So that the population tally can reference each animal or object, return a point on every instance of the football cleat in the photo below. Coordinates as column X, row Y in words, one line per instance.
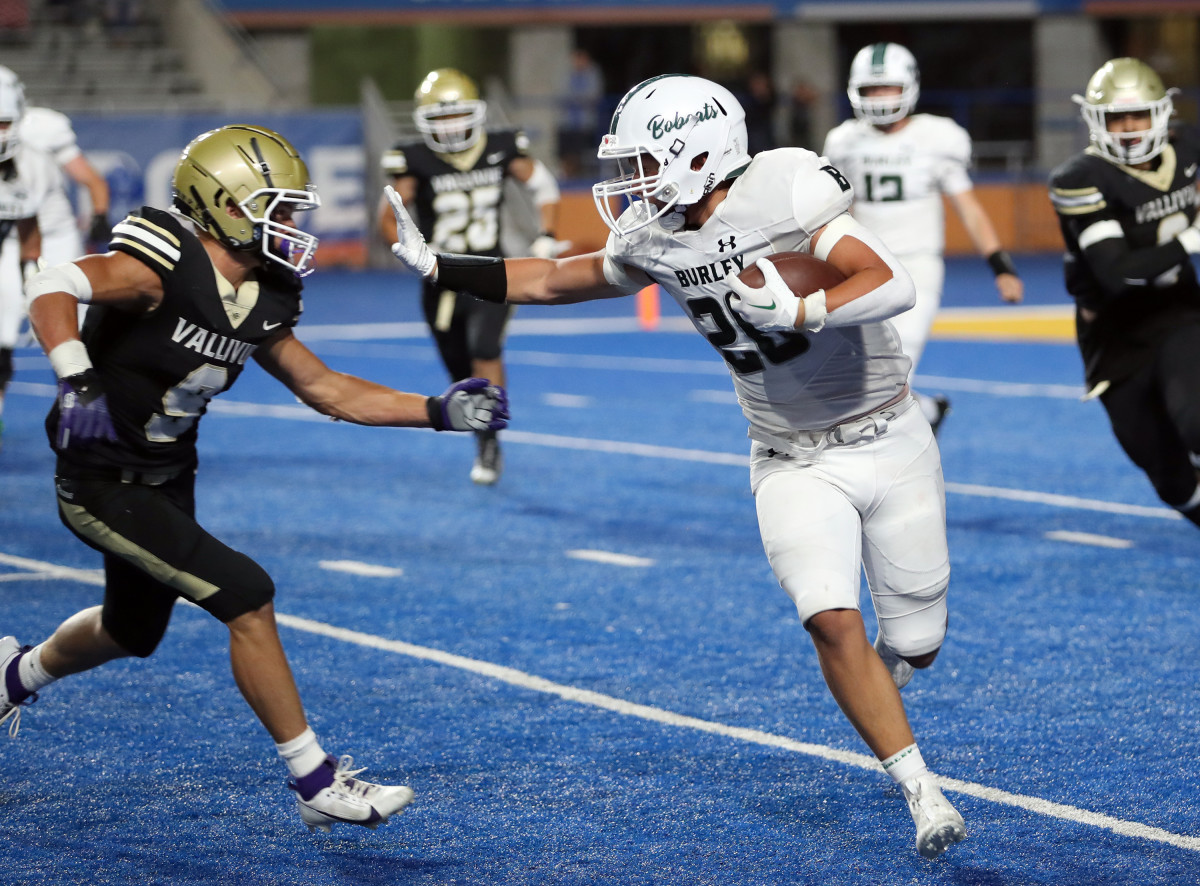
column 349, row 800
column 489, row 462
column 10, row 686
column 900, row 670
column 939, row 826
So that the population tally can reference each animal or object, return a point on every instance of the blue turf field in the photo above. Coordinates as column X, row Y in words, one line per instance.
column 587, row 673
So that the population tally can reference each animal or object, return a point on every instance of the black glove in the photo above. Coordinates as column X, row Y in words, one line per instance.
column 101, row 230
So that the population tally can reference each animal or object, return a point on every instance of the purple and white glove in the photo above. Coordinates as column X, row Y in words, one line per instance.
column 473, row 404
column 83, row 411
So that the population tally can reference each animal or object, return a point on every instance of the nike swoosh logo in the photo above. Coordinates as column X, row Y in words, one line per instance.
column 496, row 157
column 769, row 307
column 267, row 327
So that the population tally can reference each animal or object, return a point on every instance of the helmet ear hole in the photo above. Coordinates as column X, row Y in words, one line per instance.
column 698, row 161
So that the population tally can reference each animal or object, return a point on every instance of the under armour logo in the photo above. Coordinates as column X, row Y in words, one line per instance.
column 727, row 243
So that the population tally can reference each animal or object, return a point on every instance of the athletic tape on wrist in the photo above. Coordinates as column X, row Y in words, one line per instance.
column 814, row 311
column 69, row 358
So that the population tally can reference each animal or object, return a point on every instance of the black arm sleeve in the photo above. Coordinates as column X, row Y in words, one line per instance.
column 481, row 276
column 1119, row 269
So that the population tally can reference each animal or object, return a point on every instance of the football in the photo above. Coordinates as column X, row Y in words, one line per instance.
column 803, row 273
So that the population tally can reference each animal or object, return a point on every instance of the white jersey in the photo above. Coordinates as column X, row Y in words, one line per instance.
column 784, row 381
column 899, row 177
column 51, row 133
column 22, row 195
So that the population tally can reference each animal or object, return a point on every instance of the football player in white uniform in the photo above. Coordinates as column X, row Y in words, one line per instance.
column 901, row 164
column 27, row 179
column 51, row 132
column 844, row 468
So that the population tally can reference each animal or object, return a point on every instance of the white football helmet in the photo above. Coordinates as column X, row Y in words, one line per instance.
column 696, row 131
column 12, row 109
column 884, row 64
column 449, row 112
column 1120, row 86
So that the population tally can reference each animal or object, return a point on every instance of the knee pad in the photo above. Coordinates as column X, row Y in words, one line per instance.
column 254, row 590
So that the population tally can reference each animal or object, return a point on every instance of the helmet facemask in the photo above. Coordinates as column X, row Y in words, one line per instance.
column 693, row 131
column 241, row 184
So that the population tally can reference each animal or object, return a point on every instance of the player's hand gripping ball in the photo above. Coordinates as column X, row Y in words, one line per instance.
column 767, row 294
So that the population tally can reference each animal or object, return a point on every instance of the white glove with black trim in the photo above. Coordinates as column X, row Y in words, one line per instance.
column 545, row 246
column 771, row 307
column 410, row 246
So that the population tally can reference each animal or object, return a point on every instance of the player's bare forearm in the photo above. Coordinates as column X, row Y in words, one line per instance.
column 361, row 402
column 336, row 394
column 54, row 319
column 865, row 272
column 561, row 281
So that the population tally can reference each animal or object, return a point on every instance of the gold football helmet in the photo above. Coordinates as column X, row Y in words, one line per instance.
column 1121, row 86
column 257, row 171
column 449, row 113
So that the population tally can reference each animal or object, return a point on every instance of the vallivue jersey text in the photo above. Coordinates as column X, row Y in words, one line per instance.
column 160, row 369
column 459, row 210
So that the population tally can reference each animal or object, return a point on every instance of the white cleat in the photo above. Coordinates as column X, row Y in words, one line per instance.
column 939, row 826
column 900, row 670
column 489, row 462
column 10, row 713
column 352, row 801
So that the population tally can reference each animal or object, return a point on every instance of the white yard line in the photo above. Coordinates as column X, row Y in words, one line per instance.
column 599, row 700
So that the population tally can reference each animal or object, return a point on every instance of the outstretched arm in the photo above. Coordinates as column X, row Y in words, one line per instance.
column 515, row 280
column 987, row 243
column 471, row 404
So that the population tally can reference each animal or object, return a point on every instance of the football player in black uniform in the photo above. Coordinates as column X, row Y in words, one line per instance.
column 178, row 305
column 1127, row 208
column 454, row 178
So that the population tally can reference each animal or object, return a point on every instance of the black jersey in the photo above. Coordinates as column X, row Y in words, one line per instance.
column 160, row 369
column 458, row 210
column 1121, row 321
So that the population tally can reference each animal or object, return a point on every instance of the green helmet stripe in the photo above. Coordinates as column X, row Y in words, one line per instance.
column 612, row 129
column 878, row 52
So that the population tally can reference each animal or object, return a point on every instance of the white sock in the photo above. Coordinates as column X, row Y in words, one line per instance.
column 30, row 671
column 905, row 765
column 302, row 754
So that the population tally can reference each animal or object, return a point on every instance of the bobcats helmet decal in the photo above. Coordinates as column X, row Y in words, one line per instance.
column 884, row 64
column 258, row 172
column 1121, row 86
column 12, row 109
column 449, row 113
column 675, row 138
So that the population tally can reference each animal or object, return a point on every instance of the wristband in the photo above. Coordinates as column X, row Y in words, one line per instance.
column 433, row 409
column 484, row 277
column 1001, row 263
column 814, row 311
column 69, row 358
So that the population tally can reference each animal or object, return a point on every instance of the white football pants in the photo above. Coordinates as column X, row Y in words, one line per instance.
column 879, row 504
